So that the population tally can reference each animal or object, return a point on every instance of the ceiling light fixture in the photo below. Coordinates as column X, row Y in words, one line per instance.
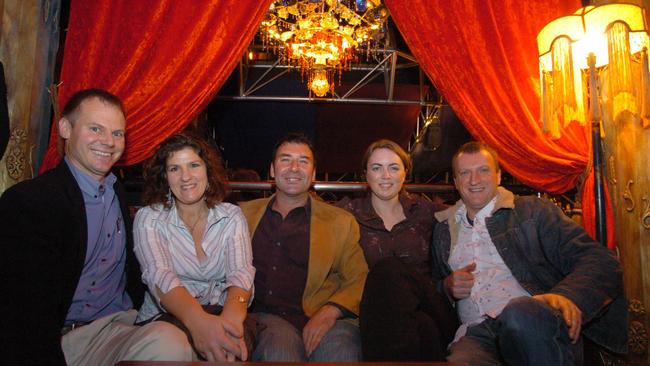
column 322, row 37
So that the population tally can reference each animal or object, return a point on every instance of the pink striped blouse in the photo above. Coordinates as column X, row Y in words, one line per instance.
column 165, row 249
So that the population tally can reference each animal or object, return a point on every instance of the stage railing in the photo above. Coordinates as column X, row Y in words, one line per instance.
column 323, row 186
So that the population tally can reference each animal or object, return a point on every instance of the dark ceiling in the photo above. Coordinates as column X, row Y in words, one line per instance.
column 246, row 130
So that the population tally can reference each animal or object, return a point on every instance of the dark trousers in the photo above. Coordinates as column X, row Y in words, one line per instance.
column 403, row 317
column 527, row 332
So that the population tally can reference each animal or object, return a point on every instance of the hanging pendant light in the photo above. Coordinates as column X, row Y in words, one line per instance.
column 322, row 37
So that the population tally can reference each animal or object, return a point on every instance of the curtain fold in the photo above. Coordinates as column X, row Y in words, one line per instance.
column 165, row 59
column 482, row 57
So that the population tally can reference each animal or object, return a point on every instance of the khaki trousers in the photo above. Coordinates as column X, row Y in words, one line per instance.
column 114, row 338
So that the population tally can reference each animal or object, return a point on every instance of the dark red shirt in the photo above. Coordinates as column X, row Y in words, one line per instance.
column 409, row 240
column 281, row 258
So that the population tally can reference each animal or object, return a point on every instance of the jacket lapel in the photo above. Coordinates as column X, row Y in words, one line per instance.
column 448, row 215
column 321, row 255
column 78, row 220
column 254, row 213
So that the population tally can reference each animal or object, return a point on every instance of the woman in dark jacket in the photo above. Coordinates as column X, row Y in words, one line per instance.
column 403, row 317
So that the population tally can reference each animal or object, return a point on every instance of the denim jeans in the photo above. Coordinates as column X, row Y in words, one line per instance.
column 527, row 332
column 282, row 342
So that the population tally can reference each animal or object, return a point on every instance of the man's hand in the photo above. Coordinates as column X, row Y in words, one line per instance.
column 216, row 339
column 570, row 312
column 318, row 325
column 459, row 283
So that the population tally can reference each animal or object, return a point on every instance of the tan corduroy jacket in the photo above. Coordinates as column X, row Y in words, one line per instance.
column 337, row 268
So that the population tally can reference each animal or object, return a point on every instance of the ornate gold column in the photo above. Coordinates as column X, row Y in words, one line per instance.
column 616, row 91
column 28, row 43
column 627, row 147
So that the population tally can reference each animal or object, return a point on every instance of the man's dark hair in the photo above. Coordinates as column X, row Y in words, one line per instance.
column 474, row 147
column 294, row 138
column 72, row 106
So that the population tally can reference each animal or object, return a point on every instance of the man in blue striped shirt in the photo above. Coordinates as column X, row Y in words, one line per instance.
column 69, row 275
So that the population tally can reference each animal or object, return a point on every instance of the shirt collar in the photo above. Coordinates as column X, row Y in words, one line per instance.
column 504, row 200
column 88, row 184
column 306, row 207
column 367, row 214
column 486, row 211
column 172, row 217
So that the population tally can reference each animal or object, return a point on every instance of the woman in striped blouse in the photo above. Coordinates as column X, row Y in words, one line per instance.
column 194, row 249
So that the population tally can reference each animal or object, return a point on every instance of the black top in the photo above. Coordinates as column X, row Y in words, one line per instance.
column 408, row 240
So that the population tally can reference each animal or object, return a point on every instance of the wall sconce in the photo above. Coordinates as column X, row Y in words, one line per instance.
column 573, row 51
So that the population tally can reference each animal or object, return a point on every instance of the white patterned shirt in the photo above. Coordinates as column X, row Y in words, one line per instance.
column 494, row 284
column 167, row 255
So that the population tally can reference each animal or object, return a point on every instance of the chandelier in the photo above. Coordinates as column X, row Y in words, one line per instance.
column 322, row 37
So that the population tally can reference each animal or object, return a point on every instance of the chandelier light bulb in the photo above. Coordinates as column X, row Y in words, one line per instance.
column 321, row 36
column 319, row 84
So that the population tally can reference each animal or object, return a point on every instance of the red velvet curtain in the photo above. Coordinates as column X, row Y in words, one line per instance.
column 482, row 57
column 166, row 59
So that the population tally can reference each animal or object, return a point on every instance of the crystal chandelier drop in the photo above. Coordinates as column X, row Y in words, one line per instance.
column 322, row 37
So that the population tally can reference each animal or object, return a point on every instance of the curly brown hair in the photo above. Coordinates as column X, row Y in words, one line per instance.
column 156, row 187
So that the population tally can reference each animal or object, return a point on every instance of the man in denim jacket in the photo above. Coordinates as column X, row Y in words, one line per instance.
column 527, row 281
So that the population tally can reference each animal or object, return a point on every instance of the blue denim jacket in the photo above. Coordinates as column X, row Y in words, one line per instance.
column 548, row 252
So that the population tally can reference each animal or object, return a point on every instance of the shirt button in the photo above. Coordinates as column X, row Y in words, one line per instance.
column 274, row 268
column 270, row 292
column 278, row 244
column 109, row 235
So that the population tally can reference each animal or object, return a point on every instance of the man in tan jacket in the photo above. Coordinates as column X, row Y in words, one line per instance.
column 310, row 267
